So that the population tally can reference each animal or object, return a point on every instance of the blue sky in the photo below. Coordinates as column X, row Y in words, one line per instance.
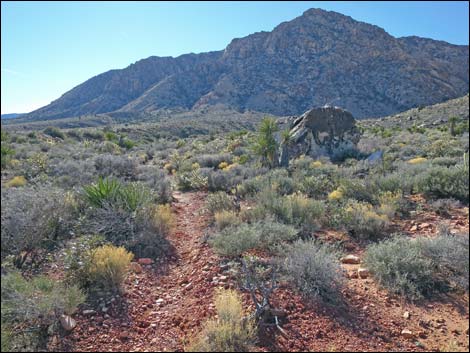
column 47, row 48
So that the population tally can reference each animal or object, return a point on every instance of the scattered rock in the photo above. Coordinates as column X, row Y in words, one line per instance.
column 135, row 267
column 145, row 261
column 407, row 334
column 67, row 322
column 89, row 312
column 363, row 273
column 353, row 275
column 406, row 315
column 123, row 335
column 351, row 259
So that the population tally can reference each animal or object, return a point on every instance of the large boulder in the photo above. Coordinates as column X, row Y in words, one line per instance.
column 325, row 131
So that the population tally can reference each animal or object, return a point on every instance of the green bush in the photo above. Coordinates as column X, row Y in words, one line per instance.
column 399, row 265
column 296, row 209
column 219, row 201
column 77, row 259
column 54, row 132
column 362, row 220
column 267, row 234
column 441, row 182
column 35, row 305
column 450, row 256
column 108, row 266
column 315, row 270
column 230, row 332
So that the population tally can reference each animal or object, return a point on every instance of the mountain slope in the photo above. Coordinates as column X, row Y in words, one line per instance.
column 317, row 58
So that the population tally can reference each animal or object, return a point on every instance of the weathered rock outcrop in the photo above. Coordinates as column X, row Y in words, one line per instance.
column 325, row 131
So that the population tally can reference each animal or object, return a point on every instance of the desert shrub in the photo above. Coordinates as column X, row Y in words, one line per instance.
column 266, row 234
column 118, row 166
column 75, row 134
column 36, row 305
column 391, row 204
column 6, row 150
column 142, row 231
column 441, row 182
column 315, row 270
column 444, row 148
column 450, row 256
column 316, row 186
column 109, row 147
column 93, row 135
column 363, row 221
column 392, row 182
column 252, row 186
column 213, row 160
column 443, row 206
column 37, row 164
column 126, row 143
column 191, row 180
column 109, row 265
column 294, row 209
column 230, row 332
column 219, row 201
column 157, row 181
column 17, row 181
column 224, row 219
column 71, row 173
column 399, row 265
column 35, row 217
column 77, row 259
column 54, row 132
column 358, row 190
column 281, row 182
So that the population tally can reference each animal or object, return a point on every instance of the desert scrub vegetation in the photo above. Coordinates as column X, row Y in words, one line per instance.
column 314, row 269
column 31, row 309
column 232, row 331
column 108, row 266
column 234, row 240
column 419, row 268
column 219, row 201
column 35, row 218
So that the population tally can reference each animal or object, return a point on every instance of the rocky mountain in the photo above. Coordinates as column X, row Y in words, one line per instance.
column 317, row 58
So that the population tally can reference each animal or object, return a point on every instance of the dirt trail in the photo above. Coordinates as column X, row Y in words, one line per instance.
column 167, row 302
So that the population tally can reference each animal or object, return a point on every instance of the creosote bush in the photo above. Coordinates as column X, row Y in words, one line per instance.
column 315, row 270
column 219, row 201
column 230, row 332
column 419, row 268
column 266, row 234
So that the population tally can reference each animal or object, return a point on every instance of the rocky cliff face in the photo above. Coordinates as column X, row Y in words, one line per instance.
column 320, row 57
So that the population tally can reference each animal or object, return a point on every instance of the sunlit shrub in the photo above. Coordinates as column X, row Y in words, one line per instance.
column 230, row 332
column 109, row 265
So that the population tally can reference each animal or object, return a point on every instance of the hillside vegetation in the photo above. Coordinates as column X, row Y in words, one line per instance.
column 177, row 234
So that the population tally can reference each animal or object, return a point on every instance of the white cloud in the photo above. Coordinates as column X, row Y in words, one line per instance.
column 13, row 72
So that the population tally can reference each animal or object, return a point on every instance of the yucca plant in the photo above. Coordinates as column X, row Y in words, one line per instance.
column 104, row 190
column 133, row 196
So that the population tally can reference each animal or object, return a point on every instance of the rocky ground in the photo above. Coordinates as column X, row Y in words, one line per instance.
column 164, row 304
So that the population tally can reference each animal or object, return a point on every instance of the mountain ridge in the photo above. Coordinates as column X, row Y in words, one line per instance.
column 319, row 57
